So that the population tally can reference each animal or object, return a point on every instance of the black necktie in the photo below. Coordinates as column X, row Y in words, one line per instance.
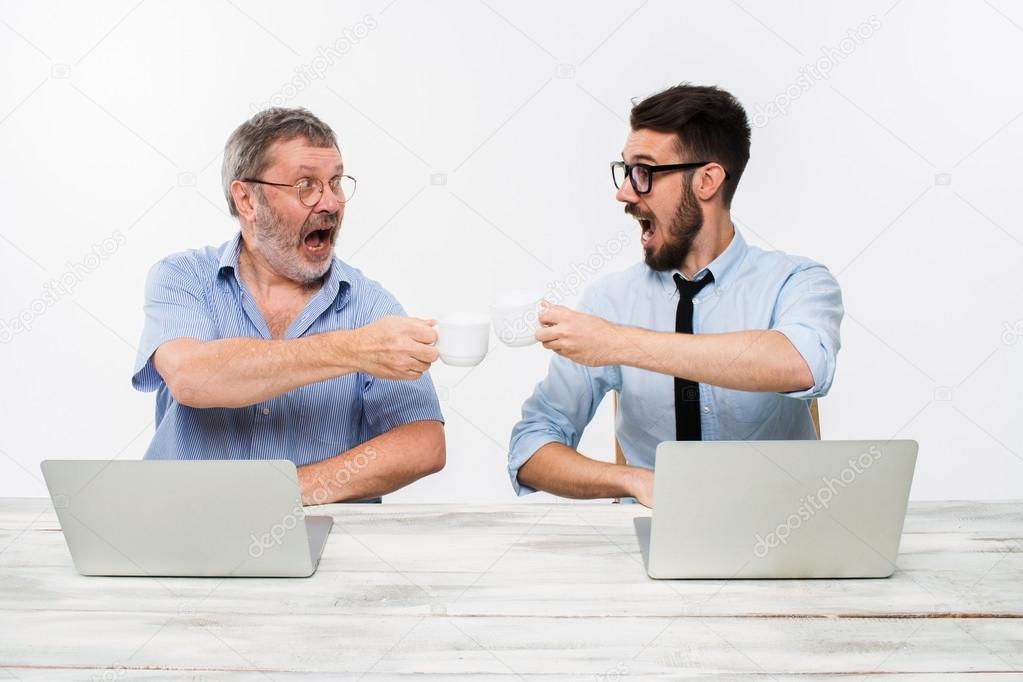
column 687, row 393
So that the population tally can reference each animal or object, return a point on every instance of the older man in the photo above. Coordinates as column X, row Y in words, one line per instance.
column 708, row 339
column 270, row 347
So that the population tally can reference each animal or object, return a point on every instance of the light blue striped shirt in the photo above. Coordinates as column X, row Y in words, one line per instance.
column 198, row 294
column 752, row 289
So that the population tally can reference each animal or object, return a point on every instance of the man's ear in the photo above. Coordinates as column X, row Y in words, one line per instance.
column 711, row 181
column 244, row 202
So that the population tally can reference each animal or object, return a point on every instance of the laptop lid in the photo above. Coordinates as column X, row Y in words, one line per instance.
column 779, row 509
column 183, row 518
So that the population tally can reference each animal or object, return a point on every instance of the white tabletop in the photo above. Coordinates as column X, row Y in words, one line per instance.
column 510, row 591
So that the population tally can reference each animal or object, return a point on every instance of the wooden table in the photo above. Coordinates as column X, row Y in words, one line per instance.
column 520, row 590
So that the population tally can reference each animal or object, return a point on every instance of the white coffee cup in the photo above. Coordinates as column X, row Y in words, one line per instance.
column 515, row 316
column 463, row 339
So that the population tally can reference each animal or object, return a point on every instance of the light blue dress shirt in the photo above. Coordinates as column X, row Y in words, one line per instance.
column 198, row 294
column 752, row 289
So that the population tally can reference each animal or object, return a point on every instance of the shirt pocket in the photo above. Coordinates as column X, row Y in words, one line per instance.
column 330, row 413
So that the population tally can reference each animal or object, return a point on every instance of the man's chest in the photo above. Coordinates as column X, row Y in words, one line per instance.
column 279, row 317
column 278, row 313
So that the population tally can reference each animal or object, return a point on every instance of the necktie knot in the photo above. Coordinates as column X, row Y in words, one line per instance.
column 688, row 288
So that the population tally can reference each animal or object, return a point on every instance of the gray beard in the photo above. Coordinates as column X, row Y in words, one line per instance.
column 277, row 245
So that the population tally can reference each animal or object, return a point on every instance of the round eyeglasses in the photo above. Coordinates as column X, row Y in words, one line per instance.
column 311, row 189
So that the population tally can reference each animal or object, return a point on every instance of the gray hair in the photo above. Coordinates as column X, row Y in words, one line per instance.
column 246, row 153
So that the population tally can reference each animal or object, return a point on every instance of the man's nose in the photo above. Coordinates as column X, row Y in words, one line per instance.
column 328, row 203
column 627, row 193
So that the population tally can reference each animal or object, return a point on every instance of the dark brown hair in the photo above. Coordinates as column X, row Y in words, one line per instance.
column 709, row 122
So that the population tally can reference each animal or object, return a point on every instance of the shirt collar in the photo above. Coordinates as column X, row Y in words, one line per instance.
column 335, row 287
column 229, row 255
column 723, row 267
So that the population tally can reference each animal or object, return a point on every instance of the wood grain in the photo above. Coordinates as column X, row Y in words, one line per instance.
column 516, row 590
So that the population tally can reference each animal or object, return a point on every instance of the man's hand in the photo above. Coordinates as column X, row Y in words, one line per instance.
column 561, row 470
column 585, row 339
column 396, row 347
column 642, row 486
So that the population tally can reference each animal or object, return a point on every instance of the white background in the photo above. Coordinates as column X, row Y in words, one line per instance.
column 481, row 134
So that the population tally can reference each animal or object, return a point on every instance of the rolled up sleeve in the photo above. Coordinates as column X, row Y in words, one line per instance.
column 559, row 409
column 809, row 313
column 564, row 402
column 175, row 308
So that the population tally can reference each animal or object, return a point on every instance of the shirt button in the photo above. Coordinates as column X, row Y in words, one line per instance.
column 706, row 409
column 266, row 410
column 696, row 301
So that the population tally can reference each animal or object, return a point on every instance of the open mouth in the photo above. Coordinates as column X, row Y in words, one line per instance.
column 318, row 241
column 647, row 234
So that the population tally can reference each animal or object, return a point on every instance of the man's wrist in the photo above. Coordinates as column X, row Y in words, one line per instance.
column 343, row 347
column 641, row 484
column 623, row 351
column 629, row 480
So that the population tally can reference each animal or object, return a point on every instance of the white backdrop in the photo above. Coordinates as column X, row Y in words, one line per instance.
column 887, row 137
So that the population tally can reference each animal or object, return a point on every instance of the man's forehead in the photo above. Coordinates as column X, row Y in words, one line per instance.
column 299, row 154
column 649, row 146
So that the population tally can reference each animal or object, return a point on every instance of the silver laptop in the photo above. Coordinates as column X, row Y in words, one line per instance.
column 185, row 518
column 777, row 509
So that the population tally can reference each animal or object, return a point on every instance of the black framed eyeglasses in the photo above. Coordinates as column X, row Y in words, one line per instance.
column 311, row 189
column 642, row 174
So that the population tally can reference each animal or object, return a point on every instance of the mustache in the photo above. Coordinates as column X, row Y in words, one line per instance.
column 635, row 212
column 321, row 221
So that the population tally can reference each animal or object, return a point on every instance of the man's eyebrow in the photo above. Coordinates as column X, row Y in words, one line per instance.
column 340, row 167
column 644, row 157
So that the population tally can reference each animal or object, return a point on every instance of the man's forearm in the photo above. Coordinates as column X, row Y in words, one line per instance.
column 757, row 360
column 562, row 471
column 239, row 372
column 379, row 466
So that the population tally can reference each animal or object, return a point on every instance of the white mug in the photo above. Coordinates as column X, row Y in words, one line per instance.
column 516, row 317
column 463, row 339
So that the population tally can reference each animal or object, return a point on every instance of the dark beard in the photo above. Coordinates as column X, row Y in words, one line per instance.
column 685, row 227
